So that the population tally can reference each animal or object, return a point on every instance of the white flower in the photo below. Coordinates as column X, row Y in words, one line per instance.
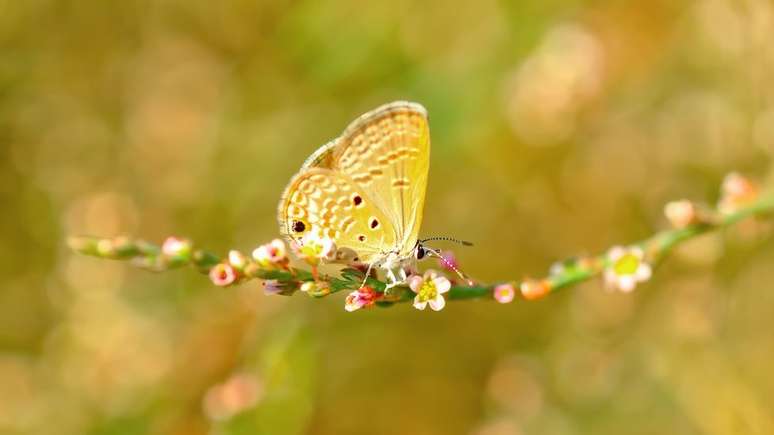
column 174, row 246
column 237, row 259
column 626, row 268
column 314, row 248
column 271, row 254
column 429, row 289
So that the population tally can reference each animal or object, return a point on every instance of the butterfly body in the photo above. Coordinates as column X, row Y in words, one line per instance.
column 365, row 190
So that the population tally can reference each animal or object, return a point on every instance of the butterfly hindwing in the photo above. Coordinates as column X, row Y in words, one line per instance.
column 322, row 201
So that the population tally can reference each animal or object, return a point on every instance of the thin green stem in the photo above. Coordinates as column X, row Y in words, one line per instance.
column 151, row 257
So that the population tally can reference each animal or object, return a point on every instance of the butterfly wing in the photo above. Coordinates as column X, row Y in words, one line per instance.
column 386, row 152
column 324, row 201
column 383, row 159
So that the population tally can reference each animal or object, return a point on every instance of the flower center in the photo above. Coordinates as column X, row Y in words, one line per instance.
column 428, row 291
column 312, row 249
column 626, row 265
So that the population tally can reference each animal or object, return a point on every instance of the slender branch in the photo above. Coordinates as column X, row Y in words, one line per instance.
column 621, row 267
column 662, row 243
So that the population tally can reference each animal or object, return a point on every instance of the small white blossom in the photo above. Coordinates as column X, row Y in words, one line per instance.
column 174, row 246
column 627, row 267
column 429, row 289
column 237, row 259
column 314, row 248
column 271, row 254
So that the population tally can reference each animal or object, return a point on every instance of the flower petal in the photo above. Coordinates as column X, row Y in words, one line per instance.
column 627, row 283
column 442, row 284
column 615, row 253
column 353, row 302
column 611, row 279
column 260, row 254
column 504, row 293
column 419, row 304
column 643, row 272
column 437, row 303
column 430, row 274
column 415, row 283
column 328, row 248
column 279, row 245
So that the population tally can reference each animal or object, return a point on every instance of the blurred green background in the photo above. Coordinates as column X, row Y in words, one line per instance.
column 559, row 127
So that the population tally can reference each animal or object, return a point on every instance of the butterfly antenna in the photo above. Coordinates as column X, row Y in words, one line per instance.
column 449, row 264
column 448, row 239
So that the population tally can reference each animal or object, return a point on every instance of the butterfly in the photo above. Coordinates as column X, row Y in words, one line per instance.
column 365, row 190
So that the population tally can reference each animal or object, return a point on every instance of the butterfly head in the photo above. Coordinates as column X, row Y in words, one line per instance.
column 421, row 251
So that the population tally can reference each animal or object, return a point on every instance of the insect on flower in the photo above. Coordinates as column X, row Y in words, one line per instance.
column 364, row 191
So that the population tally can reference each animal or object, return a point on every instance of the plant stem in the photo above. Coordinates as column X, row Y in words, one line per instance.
column 149, row 256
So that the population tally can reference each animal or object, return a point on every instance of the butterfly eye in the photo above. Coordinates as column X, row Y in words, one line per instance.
column 420, row 252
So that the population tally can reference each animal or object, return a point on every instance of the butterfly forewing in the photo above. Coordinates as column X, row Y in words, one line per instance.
column 387, row 152
column 365, row 189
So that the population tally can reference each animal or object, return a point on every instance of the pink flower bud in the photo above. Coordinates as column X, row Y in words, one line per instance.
column 176, row 247
column 681, row 213
column 736, row 191
column 223, row 274
column 504, row 293
column 364, row 297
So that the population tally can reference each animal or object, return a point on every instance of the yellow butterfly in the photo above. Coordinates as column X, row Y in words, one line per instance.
column 365, row 190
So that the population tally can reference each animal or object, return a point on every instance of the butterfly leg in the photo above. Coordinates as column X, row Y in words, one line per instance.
column 394, row 282
column 367, row 274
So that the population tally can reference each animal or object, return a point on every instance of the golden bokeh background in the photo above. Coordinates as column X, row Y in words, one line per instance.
column 559, row 127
